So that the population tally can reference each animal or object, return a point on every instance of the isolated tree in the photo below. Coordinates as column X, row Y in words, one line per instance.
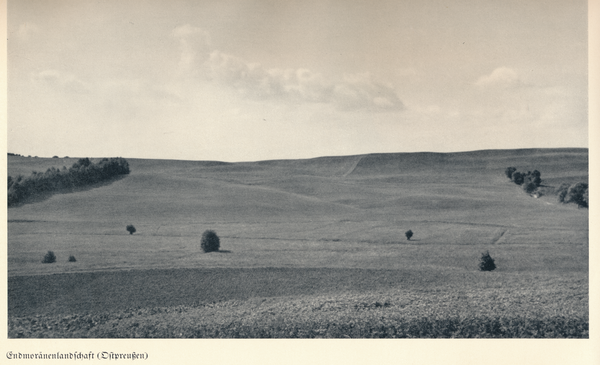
column 49, row 258
column 130, row 228
column 408, row 234
column 509, row 171
column 72, row 258
column 210, row 241
column 487, row 262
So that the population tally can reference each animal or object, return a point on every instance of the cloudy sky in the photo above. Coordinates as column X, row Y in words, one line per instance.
column 245, row 80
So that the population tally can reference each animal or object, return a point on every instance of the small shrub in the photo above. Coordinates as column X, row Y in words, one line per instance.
column 487, row 262
column 408, row 234
column 210, row 241
column 49, row 258
column 72, row 258
column 131, row 229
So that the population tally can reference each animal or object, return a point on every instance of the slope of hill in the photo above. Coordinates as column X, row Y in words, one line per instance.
column 315, row 218
column 354, row 198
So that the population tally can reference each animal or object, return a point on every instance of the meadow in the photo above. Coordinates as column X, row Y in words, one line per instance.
column 309, row 249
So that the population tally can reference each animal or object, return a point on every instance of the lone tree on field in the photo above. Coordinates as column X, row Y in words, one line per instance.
column 210, row 241
column 408, row 234
column 487, row 262
column 49, row 258
column 131, row 229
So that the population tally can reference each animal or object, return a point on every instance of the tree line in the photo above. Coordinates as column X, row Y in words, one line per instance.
column 530, row 181
column 567, row 193
column 83, row 172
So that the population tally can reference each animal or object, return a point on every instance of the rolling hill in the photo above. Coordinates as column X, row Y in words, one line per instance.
column 327, row 214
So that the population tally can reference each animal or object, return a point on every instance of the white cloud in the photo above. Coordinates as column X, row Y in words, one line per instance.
column 252, row 80
column 502, row 77
column 361, row 91
column 62, row 81
column 194, row 45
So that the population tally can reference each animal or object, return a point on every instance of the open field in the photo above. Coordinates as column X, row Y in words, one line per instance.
column 311, row 248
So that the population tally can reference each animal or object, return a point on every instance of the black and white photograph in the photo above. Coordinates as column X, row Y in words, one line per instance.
column 337, row 181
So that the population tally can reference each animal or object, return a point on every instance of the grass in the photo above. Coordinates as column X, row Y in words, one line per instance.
column 304, row 303
column 311, row 248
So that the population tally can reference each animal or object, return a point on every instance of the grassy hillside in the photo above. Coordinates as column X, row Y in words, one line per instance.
column 310, row 217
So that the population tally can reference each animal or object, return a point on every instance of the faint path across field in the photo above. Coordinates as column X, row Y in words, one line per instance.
column 358, row 159
column 499, row 236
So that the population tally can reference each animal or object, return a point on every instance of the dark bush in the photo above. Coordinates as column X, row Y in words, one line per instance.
column 130, row 228
column 487, row 262
column 533, row 178
column 530, row 180
column 561, row 192
column 82, row 162
column 72, row 258
column 49, row 258
column 529, row 187
column 210, row 241
column 576, row 194
column 509, row 171
column 518, row 178
column 408, row 234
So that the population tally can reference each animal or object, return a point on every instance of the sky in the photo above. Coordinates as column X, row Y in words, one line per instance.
column 261, row 79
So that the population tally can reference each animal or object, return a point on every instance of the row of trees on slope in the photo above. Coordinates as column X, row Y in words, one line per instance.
column 567, row 193
column 530, row 181
column 83, row 172
column 577, row 193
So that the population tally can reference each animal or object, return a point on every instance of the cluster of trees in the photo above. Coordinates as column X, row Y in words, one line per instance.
column 567, row 193
column 577, row 193
column 530, row 181
column 83, row 172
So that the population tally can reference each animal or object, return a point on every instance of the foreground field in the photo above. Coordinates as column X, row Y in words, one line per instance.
column 300, row 303
column 310, row 248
